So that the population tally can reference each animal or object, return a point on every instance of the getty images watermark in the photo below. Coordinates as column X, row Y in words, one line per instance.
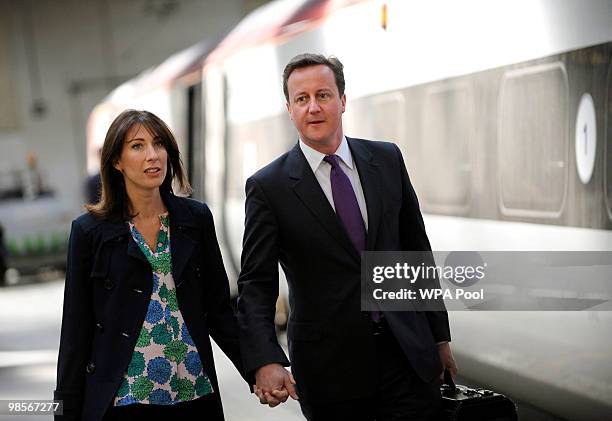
column 479, row 280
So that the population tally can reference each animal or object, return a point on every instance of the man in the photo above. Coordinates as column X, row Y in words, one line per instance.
column 314, row 210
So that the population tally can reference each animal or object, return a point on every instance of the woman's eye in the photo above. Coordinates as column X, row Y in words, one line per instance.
column 159, row 144
column 136, row 146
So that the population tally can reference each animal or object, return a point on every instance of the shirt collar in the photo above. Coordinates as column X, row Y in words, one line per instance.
column 315, row 157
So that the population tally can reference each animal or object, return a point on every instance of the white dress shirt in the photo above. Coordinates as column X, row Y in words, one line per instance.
column 322, row 170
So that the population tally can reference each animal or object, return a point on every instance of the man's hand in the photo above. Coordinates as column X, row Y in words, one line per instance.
column 448, row 362
column 274, row 384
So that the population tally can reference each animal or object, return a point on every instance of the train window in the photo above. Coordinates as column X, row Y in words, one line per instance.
column 533, row 141
column 447, row 128
column 388, row 117
column 392, row 117
column 608, row 146
column 409, row 142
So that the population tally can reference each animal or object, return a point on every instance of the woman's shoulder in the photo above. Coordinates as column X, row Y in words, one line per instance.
column 86, row 221
column 91, row 224
column 197, row 207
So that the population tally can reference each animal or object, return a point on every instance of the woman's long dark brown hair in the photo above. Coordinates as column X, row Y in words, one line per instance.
column 114, row 202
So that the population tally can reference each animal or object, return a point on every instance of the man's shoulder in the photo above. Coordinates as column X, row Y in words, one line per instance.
column 378, row 150
column 277, row 168
column 373, row 145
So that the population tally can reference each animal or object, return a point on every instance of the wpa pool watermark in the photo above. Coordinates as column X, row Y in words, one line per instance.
column 473, row 280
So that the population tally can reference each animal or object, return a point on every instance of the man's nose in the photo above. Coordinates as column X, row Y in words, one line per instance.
column 313, row 106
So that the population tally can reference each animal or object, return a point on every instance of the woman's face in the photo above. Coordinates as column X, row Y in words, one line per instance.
column 143, row 160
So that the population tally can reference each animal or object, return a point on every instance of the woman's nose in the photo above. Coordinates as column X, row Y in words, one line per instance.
column 152, row 154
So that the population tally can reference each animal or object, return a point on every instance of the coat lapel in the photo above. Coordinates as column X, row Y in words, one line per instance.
column 119, row 231
column 308, row 190
column 369, row 175
column 181, row 243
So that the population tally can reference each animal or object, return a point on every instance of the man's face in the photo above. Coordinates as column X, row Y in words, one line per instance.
column 316, row 107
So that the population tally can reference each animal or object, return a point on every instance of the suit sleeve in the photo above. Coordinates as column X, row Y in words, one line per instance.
column 77, row 326
column 258, row 282
column 221, row 319
column 414, row 237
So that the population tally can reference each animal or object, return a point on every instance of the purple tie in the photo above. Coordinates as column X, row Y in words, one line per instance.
column 346, row 204
column 347, row 209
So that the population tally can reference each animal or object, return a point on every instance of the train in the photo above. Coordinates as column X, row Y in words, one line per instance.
column 502, row 111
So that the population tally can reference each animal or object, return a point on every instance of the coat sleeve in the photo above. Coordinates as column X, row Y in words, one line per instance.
column 77, row 326
column 221, row 319
column 258, row 282
column 414, row 237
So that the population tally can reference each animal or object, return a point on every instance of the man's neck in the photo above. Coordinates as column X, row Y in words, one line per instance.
column 325, row 149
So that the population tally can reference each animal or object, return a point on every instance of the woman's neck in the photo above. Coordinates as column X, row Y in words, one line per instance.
column 146, row 204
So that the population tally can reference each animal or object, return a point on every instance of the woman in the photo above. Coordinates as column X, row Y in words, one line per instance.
column 145, row 286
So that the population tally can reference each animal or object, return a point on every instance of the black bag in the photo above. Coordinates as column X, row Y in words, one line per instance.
column 461, row 403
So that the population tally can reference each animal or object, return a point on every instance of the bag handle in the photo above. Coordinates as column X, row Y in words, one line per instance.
column 449, row 382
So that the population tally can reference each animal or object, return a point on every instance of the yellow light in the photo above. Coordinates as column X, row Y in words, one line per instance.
column 383, row 16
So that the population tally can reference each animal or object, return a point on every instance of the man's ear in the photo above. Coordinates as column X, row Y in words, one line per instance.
column 288, row 109
column 343, row 100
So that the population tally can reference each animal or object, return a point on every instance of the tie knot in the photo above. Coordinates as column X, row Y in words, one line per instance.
column 331, row 160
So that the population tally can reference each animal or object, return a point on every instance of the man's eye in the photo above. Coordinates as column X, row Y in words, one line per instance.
column 324, row 95
column 300, row 99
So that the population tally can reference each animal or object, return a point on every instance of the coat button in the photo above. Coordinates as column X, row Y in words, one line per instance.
column 91, row 367
column 100, row 327
column 108, row 284
column 125, row 335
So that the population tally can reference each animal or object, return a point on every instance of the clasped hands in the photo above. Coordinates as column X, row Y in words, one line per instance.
column 274, row 385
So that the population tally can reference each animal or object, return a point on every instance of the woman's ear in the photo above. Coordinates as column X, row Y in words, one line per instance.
column 117, row 166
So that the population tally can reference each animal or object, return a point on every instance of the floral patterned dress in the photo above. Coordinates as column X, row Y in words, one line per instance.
column 165, row 368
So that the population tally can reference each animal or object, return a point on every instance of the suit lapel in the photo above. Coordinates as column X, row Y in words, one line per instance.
column 369, row 176
column 308, row 190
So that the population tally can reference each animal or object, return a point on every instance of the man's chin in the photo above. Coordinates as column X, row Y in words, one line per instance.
column 318, row 138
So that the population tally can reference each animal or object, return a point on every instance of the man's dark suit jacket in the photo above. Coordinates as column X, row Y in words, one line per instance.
column 107, row 294
column 289, row 220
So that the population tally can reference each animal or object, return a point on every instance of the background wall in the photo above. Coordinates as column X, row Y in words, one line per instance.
column 58, row 58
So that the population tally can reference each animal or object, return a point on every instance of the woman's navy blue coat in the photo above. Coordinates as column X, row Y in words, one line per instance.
column 107, row 293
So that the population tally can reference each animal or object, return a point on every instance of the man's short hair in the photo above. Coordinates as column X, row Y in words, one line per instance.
column 309, row 59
